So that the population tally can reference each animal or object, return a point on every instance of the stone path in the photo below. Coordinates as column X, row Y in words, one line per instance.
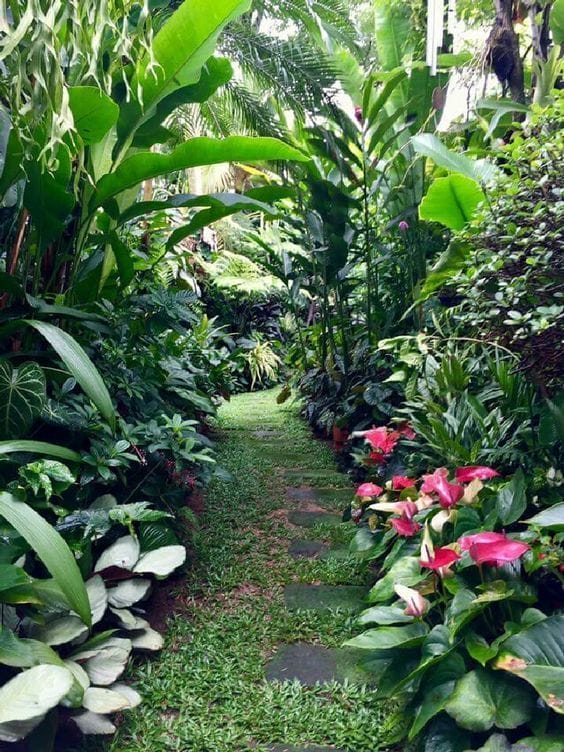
column 254, row 658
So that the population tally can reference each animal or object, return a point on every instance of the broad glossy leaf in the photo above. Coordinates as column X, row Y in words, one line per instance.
column 443, row 735
column 124, row 554
column 128, row 592
column 39, row 447
column 24, row 653
column 482, row 699
column 93, row 723
column 511, row 499
column 436, row 690
column 131, row 695
column 552, row 518
column 385, row 615
column 451, row 201
column 148, row 639
column 193, row 153
column 406, row 571
column 98, row 598
column 49, row 201
column 80, row 365
column 557, row 21
column 179, row 51
column 539, row 744
column 216, row 72
column 100, row 700
column 25, row 699
column 161, row 561
column 22, row 397
column 51, row 549
column 537, row 655
column 108, row 662
column 61, row 630
column 386, row 638
column 430, row 146
column 93, row 111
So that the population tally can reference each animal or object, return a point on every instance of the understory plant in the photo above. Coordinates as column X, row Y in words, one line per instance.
column 465, row 619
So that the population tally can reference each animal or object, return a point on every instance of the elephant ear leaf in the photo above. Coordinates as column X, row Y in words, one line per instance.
column 22, row 397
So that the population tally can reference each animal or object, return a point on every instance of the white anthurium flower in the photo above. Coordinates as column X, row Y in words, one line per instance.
column 427, row 548
column 441, row 518
column 385, row 506
column 471, row 491
column 424, row 501
column 416, row 604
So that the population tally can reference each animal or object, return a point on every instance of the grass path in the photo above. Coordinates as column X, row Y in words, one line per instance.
column 206, row 692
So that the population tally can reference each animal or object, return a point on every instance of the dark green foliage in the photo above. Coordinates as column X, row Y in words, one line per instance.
column 513, row 277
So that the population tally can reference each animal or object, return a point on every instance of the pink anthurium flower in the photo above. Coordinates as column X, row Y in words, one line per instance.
column 368, row 490
column 423, row 501
column 498, row 552
column 406, row 430
column 405, row 526
column 467, row 541
column 441, row 559
column 416, row 604
column 399, row 482
column 448, row 493
column 405, row 508
column 380, row 439
column 473, row 472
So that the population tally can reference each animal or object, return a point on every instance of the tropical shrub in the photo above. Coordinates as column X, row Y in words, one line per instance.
column 464, row 615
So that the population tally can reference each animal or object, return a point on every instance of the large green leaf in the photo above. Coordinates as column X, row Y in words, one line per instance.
column 449, row 263
column 436, row 690
column 512, row 499
column 22, row 397
column 386, row 638
column 500, row 107
column 39, row 447
column 49, row 201
column 26, row 698
column 193, row 153
column 179, row 51
column 430, row 146
column 552, row 518
column 482, row 699
column 93, row 111
column 537, row 656
column 557, row 21
column 80, row 365
column 216, row 73
column 451, row 201
column 406, row 571
column 51, row 549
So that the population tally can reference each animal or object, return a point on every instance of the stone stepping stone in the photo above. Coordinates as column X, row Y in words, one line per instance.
column 315, row 664
column 304, row 597
column 337, row 496
column 305, row 475
column 304, row 549
column 294, row 748
column 268, row 434
column 311, row 519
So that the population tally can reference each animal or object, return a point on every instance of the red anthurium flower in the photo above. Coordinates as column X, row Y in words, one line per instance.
column 376, row 458
column 400, row 482
column 442, row 557
column 498, row 552
column 486, row 537
column 467, row 474
column 405, row 526
column 369, row 490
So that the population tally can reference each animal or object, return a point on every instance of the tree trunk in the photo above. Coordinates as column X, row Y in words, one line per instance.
column 503, row 54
